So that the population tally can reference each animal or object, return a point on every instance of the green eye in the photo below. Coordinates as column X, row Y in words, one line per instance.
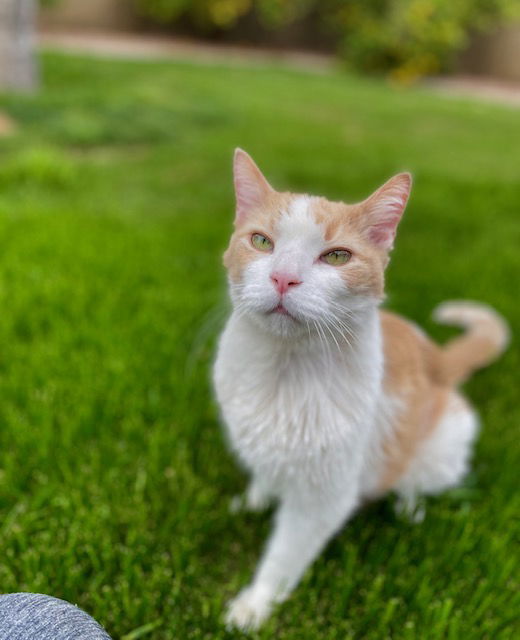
column 260, row 242
column 337, row 257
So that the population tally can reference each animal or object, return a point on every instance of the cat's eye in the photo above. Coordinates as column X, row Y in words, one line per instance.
column 261, row 242
column 336, row 257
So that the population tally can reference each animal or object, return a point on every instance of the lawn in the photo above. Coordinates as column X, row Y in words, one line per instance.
column 115, row 207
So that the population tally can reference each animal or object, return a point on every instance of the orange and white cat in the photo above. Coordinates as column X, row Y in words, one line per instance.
column 327, row 400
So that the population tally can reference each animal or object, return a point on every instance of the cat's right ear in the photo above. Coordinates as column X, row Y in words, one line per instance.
column 251, row 188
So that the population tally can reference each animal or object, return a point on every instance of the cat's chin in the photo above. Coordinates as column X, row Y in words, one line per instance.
column 281, row 324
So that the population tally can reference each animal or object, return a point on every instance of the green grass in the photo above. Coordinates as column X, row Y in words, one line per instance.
column 115, row 207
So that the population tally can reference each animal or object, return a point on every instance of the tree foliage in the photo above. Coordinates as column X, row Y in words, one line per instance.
column 412, row 38
column 406, row 38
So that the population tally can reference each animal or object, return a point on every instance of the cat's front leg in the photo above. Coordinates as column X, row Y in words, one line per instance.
column 302, row 528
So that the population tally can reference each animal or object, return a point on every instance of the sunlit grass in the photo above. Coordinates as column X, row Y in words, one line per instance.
column 115, row 207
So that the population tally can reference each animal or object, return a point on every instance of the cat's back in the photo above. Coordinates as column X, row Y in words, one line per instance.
column 409, row 354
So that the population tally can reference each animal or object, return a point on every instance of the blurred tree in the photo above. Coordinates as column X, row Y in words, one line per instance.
column 18, row 67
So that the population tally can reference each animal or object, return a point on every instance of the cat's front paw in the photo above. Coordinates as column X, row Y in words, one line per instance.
column 248, row 610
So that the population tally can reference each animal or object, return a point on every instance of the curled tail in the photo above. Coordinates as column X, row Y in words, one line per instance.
column 485, row 338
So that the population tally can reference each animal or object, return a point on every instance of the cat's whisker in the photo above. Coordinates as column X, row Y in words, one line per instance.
column 343, row 336
column 210, row 325
column 333, row 337
column 344, row 326
column 323, row 340
column 317, row 331
column 339, row 323
column 308, row 328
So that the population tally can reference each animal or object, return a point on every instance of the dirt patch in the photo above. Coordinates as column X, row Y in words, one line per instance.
column 118, row 45
column 480, row 87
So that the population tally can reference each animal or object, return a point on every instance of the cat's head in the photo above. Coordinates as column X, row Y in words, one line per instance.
column 299, row 263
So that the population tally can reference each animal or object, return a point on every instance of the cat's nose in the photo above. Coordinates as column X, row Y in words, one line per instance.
column 283, row 281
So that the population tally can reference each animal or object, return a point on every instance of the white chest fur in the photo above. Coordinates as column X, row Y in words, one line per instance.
column 302, row 411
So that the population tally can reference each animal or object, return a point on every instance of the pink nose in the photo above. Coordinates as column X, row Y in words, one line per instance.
column 282, row 281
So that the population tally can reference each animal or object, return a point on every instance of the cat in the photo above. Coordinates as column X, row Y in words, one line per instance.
column 328, row 401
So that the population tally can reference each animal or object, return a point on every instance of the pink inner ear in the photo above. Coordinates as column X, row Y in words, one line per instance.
column 251, row 188
column 386, row 208
column 383, row 235
column 248, row 194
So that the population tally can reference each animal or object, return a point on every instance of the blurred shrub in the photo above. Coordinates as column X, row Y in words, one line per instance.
column 412, row 38
column 222, row 14
column 202, row 13
column 406, row 38
column 207, row 15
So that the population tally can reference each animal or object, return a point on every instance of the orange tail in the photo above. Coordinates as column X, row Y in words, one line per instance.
column 486, row 337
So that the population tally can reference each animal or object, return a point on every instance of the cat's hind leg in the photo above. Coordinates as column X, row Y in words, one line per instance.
column 442, row 460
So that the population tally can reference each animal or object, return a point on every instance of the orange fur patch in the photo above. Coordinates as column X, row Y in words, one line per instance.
column 409, row 356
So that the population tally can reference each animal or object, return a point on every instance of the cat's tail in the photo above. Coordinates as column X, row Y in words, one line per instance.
column 486, row 337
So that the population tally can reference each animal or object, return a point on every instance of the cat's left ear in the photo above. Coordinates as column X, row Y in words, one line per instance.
column 251, row 188
column 382, row 211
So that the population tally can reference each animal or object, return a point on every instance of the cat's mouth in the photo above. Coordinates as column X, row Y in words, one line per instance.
column 282, row 311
